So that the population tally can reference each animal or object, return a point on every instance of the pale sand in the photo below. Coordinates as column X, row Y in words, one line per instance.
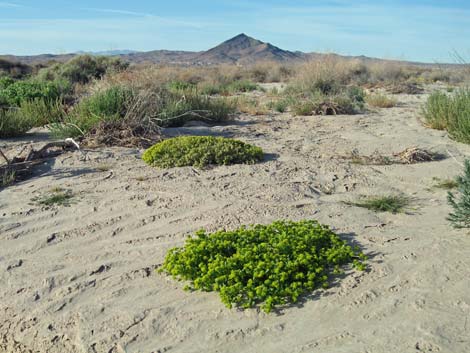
column 82, row 279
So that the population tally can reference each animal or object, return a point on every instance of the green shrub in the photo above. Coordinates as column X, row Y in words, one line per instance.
column 264, row 264
column 450, row 112
column 13, row 123
column 15, row 93
column 380, row 101
column 42, row 112
column 200, row 151
column 228, row 88
column 107, row 105
column 177, row 109
column 281, row 105
column 83, row 69
column 304, row 108
column 460, row 202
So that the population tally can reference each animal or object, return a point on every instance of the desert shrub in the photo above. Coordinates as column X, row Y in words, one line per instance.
column 17, row 92
column 83, row 68
column 460, row 202
column 201, row 151
column 251, row 106
column 380, row 101
column 302, row 107
column 13, row 123
column 177, row 109
column 14, row 69
column 269, row 265
column 108, row 105
column 228, row 87
column 181, row 86
column 281, row 105
column 393, row 204
column 42, row 112
column 450, row 112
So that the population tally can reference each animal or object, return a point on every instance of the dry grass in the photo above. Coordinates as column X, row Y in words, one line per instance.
column 380, row 101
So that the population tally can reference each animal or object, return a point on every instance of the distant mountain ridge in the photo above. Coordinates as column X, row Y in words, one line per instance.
column 240, row 49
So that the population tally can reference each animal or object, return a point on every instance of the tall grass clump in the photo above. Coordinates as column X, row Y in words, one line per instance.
column 108, row 105
column 267, row 265
column 450, row 112
column 460, row 202
column 200, row 151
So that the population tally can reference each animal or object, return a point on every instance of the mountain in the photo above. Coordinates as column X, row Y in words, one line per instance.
column 244, row 49
column 240, row 49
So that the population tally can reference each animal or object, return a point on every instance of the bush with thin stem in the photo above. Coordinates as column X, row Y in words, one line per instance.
column 460, row 201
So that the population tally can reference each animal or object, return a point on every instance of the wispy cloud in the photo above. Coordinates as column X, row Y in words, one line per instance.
column 10, row 5
column 163, row 20
column 119, row 12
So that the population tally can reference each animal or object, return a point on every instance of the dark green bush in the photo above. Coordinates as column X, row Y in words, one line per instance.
column 264, row 264
column 460, row 202
column 200, row 151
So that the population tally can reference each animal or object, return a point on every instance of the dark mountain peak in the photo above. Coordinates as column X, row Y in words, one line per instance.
column 241, row 41
column 243, row 48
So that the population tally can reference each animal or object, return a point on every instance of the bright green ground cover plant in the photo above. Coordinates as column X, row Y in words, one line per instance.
column 265, row 265
column 200, row 151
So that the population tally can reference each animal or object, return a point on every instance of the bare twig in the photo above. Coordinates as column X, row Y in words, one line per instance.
column 4, row 157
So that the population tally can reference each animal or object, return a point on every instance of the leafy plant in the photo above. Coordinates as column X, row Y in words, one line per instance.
column 460, row 202
column 393, row 204
column 263, row 264
column 200, row 151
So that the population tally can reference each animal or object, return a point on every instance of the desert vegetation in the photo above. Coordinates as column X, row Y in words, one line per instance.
column 200, row 151
column 269, row 265
column 449, row 111
column 460, row 201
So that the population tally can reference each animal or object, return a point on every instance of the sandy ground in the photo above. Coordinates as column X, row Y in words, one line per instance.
column 81, row 278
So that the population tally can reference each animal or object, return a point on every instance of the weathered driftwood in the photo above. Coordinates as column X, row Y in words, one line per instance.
column 20, row 167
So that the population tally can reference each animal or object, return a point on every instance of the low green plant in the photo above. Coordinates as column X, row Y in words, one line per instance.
column 200, row 151
column 460, row 202
column 56, row 196
column 380, row 101
column 450, row 112
column 393, row 204
column 267, row 265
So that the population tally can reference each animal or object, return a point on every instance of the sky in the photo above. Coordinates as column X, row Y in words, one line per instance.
column 417, row 30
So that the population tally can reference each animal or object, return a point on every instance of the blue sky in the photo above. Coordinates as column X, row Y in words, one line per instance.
column 402, row 29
